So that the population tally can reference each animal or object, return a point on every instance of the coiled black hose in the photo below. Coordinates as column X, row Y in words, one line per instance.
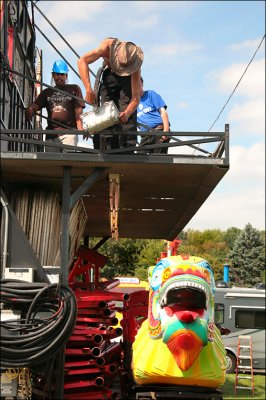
column 35, row 337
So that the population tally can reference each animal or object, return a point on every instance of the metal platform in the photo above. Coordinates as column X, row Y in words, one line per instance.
column 156, row 195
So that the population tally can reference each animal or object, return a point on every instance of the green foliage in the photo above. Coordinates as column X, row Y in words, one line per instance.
column 151, row 252
column 149, row 255
column 231, row 235
column 211, row 245
column 245, row 249
column 123, row 256
column 141, row 273
column 247, row 257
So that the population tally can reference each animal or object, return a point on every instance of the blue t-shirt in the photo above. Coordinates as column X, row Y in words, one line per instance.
column 148, row 109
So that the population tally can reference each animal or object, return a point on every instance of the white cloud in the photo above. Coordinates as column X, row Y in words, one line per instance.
column 175, row 48
column 247, row 166
column 252, row 84
column 62, row 13
column 76, row 40
column 246, row 45
column 146, row 23
column 222, row 211
column 250, row 118
column 246, row 108
column 240, row 196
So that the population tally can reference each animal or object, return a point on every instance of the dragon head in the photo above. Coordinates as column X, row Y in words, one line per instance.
column 181, row 306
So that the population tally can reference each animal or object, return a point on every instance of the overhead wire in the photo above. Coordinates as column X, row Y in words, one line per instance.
column 237, row 83
column 231, row 95
column 58, row 52
column 61, row 36
column 43, row 84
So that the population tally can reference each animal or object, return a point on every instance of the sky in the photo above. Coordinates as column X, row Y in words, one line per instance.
column 195, row 53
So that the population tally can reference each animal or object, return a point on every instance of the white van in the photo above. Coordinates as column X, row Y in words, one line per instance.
column 242, row 312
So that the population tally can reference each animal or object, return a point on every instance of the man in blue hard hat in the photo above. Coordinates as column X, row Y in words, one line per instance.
column 61, row 108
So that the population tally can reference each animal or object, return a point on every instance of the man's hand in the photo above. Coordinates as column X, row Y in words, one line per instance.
column 90, row 97
column 28, row 113
column 123, row 117
column 87, row 136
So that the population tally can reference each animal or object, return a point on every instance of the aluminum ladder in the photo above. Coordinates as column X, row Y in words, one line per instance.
column 244, row 363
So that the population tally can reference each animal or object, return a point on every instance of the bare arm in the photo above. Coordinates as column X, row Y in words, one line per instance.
column 83, row 63
column 32, row 109
column 132, row 106
column 165, row 119
column 78, row 112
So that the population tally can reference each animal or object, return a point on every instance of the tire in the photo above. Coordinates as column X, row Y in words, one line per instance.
column 230, row 363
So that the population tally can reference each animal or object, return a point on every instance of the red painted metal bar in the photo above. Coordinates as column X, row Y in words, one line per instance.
column 84, row 351
column 98, row 381
column 99, row 361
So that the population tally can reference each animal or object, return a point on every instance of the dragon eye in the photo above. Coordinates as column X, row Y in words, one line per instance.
column 156, row 279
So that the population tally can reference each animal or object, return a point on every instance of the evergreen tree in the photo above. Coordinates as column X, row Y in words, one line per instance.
column 247, row 257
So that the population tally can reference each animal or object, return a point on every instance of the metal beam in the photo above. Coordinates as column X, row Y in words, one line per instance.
column 100, row 243
column 86, row 185
column 65, row 225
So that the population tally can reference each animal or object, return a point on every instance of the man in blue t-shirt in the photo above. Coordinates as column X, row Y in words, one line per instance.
column 152, row 115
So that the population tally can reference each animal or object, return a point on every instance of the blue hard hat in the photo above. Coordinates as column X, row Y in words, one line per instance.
column 60, row 67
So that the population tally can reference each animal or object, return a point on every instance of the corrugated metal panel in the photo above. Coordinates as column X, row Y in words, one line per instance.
column 77, row 223
column 39, row 213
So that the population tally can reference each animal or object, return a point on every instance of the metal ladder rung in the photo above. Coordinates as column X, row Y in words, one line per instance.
column 244, row 387
column 244, row 377
column 242, row 369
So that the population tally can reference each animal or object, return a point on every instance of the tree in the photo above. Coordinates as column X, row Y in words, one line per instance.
column 209, row 244
column 149, row 256
column 247, row 257
column 230, row 236
column 122, row 255
column 151, row 252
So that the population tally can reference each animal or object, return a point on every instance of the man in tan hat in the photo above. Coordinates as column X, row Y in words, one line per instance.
column 119, row 82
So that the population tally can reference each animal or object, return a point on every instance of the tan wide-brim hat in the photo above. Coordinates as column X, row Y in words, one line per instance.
column 125, row 57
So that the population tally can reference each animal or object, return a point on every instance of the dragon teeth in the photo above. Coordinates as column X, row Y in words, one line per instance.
column 183, row 284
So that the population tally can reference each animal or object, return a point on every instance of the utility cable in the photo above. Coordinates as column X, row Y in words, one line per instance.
column 61, row 55
column 45, row 84
column 238, row 83
column 61, row 36
column 50, row 120
column 198, row 148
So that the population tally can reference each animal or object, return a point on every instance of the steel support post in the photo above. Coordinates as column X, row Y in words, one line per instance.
column 64, row 265
column 226, row 143
column 65, row 225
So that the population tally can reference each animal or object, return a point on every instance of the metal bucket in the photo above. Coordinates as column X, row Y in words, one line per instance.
column 100, row 118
